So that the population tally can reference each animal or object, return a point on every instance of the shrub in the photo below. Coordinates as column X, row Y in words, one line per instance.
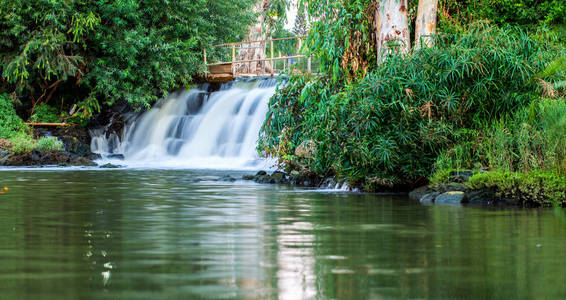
column 454, row 13
column 531, row 139
column 23, row 143
column 44, row 113
column 10, row 124
column 49, row 144
column 392, row 124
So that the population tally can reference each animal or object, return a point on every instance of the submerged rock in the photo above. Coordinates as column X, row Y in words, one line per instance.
column 227, row 178
column 110, row 166
column 482, row 196
column 418, row 194
column 429, row 198
column 279, row 177
column 454, row 197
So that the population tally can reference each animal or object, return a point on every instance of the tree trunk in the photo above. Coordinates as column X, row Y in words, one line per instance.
column 426, row 23
column 255, row 50
column 392, row 28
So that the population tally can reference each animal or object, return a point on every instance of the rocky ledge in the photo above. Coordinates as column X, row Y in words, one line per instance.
column 39, row 158
column 305, row 179
column 75, row 152
column 455, row 191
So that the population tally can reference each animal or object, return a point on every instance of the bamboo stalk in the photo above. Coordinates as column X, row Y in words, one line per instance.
column 47, row 124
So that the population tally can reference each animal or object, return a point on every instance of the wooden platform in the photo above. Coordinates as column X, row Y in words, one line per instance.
column 220, row 73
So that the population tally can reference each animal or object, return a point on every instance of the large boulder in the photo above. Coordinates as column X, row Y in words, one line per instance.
column 429, row 198
column 419, row 193
column 279, row 177
column 454, row 197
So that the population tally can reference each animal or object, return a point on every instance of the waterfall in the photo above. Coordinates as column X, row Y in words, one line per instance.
column 194, row 129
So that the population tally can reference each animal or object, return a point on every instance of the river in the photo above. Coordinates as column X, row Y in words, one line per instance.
column 180, row 234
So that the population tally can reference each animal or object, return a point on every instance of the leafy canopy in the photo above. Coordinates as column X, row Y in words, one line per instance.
column 108, row 51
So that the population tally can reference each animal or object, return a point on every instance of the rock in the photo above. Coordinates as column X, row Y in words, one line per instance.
column 417, row 194
column 110, row 166
column 248, row 177
column 116, row 156
column 482, row 196
column 295, row 173
column 329, row 183
column 261, row 173
column 429, row 198
column 451, row 198
column 306, row 149
column 35, row 155
column 460, row 176
column 227, row 178
column 278, row 177
column 265, row 179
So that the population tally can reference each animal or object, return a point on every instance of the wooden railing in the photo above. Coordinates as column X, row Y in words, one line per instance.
column 233, row 66
column 47, row 124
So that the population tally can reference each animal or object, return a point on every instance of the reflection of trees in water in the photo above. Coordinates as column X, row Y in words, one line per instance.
column 370, row 248
column 46, row 233
column 158, row 233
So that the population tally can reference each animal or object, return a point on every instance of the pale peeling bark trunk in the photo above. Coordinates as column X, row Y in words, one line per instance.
column 426, row 23
column 392, row 27
column 251, row 51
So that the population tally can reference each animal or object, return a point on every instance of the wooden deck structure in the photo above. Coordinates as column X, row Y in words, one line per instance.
column 228, row 70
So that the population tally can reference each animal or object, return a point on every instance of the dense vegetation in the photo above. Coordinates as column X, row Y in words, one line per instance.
column 61, row 60
column 460, row 104
column 15, row 136
column 93, row 52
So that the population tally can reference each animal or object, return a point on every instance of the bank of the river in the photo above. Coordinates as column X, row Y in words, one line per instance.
column 62, row 146
column 452, row 187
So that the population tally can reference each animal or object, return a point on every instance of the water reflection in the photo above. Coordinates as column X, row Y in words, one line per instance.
column 158, row 234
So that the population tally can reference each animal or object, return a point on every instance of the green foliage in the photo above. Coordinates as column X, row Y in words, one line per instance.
column 531, row 139
column 10, row 124
column 342, row 36
column 44, row 113
column 525, row 189
column 392, row 124
column 454, row 15
column 440, row 177
column 107, row 51
column 49, row 144
column 24, row 143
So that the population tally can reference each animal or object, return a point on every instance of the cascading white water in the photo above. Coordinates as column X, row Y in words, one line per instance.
column 195, row 129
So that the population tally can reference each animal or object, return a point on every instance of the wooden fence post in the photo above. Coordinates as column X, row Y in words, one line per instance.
column 234, row 68
column 272, row 65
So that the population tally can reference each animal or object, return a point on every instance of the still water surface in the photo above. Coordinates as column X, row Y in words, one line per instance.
column 159, row 234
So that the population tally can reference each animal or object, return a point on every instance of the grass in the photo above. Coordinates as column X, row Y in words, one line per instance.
column 537, row 188
column 16, row 137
